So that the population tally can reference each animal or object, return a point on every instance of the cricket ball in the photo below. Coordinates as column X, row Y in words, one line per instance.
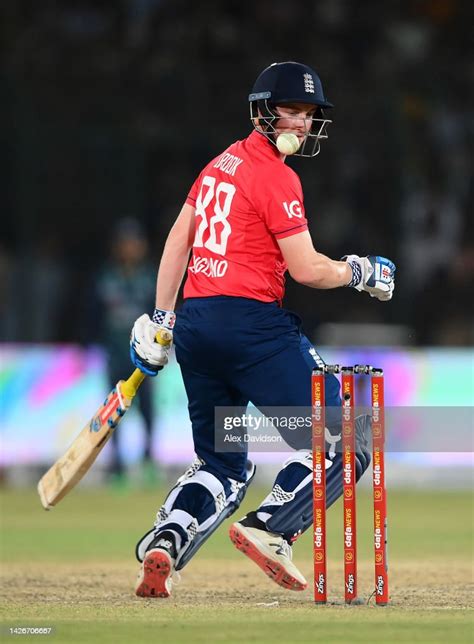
column 287, row 143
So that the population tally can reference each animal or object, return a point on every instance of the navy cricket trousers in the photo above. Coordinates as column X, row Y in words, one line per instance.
column 234, row 350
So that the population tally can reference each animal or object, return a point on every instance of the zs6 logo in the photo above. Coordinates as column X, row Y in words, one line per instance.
column 293, row 209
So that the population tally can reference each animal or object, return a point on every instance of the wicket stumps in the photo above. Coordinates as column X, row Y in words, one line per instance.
column 349, row 482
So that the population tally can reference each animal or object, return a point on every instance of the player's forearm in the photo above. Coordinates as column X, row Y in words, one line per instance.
column 175, row 259
column 311, row 268
column 170, row 273
column 324, row 273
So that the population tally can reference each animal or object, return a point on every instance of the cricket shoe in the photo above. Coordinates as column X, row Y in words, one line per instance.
column 270, row 552
column 155, row 577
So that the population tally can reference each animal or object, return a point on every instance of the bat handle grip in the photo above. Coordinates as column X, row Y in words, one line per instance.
column 130, row 386
column 164, row 337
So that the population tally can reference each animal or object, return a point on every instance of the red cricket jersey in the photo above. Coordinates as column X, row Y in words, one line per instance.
column 245, row 199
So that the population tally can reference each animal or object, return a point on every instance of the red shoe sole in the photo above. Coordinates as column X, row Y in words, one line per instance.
column 270, row 567
column 156, row 569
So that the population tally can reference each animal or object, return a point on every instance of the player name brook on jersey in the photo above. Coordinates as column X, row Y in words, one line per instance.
column 228, row 163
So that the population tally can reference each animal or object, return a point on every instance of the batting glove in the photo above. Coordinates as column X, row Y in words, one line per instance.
column 373, row 274
column 146, row 354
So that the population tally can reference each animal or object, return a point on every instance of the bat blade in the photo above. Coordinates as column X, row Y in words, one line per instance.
column 71, row 467
column 77, row 460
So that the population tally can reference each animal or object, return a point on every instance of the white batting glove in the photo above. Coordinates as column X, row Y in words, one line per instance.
column 373, row 274
column 147, row 354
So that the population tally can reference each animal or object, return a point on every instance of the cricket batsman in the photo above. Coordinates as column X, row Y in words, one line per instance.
column 242, row 227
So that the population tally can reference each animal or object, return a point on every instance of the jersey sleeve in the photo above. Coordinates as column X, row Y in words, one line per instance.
column 193, row 193
column 281, row 203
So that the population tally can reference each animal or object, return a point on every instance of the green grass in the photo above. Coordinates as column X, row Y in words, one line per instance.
column 428, row 532
column 272, row 626
column 109, row 522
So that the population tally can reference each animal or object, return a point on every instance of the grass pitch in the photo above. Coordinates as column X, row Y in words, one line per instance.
column 73, row 569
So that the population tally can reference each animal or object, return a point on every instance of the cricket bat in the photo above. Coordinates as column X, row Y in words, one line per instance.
column 78, row 459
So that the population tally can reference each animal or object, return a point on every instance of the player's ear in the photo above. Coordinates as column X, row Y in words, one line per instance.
column 257, row 117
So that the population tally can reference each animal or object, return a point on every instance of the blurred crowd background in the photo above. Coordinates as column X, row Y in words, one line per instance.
column 109, row 109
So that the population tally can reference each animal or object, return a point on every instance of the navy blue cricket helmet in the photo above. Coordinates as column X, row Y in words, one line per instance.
column 289, row 82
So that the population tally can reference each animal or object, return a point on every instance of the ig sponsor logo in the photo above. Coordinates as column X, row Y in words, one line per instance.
column 293, row 209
